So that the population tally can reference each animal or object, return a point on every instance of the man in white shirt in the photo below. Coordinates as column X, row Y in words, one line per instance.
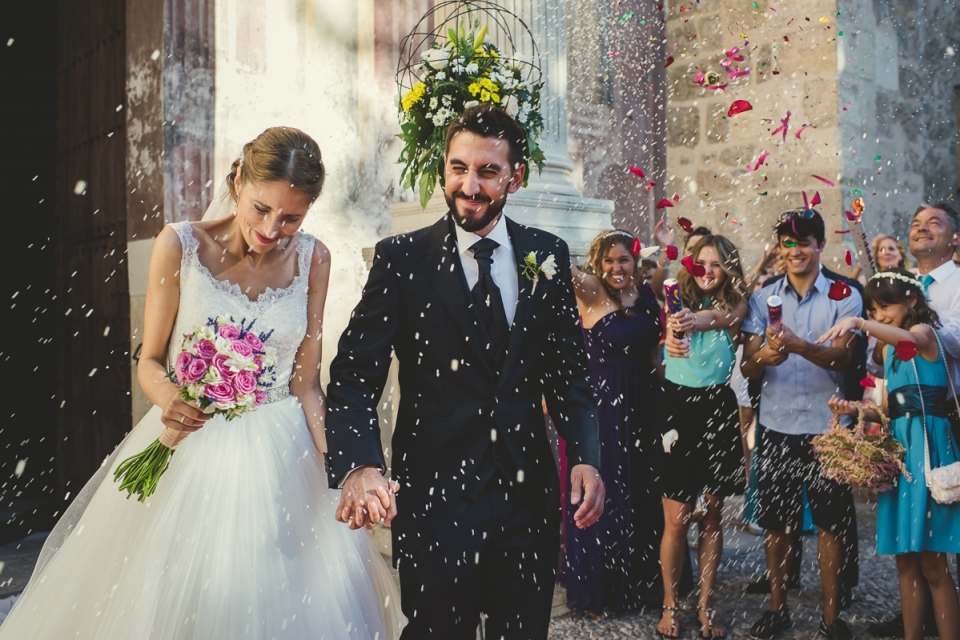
column 933, row 240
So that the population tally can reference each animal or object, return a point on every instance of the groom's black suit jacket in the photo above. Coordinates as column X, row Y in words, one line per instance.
column 416, row 304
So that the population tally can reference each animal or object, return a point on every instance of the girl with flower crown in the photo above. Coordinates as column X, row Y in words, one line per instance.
column 910, row 524
column 612, row 566
column 699, row 454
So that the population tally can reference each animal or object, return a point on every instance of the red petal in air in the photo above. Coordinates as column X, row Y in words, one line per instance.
column 664, row 203
column 672, row 252
column 829, row 183
column 738, row 106
column 685, row 224
column 839, row 290
column 816, row 199
column 906, row 350
column 851, row 216
column 868, row 383
column 849, row 258
column 637, row 171
column 635, row 249
column 687, row 263
column 676, row 197
column 668, row 62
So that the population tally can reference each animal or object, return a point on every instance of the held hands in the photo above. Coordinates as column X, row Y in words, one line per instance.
column 842, row 407
column 182, row 417
column 586, row 489
column 837, row 331
column 367, row 498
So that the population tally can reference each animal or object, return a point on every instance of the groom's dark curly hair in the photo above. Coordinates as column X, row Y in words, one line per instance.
column 489, row 121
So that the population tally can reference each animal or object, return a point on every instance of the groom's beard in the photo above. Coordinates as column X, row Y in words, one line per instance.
column 474, row 224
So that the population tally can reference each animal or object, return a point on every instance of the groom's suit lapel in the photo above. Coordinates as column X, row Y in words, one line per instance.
column 523, row 242
column 441, row 264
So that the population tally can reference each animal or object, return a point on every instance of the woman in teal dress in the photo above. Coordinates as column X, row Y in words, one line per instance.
column 910, row 523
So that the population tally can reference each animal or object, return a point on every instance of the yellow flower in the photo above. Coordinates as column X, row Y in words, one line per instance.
column 413, row 96
column 484, row 96
column 474, row 88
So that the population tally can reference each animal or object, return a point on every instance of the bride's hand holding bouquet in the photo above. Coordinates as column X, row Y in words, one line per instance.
column 222, row 368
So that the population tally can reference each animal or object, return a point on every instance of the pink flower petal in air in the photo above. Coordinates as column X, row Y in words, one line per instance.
column 851, row 216
column 637, row 171
column 800, row 130
column 816, row 199
column 760, row 161
column 685, row 224
column 868, row 383
column 738, row 106
column 823, row 180
column 664, row 203
column 848, row 258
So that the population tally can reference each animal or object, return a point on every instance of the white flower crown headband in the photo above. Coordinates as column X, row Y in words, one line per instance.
column 896, row 276
column 617, row 232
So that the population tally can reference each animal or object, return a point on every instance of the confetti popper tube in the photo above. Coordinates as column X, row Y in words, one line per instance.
column 671, row 293
column 775, row 312
column 860, row 241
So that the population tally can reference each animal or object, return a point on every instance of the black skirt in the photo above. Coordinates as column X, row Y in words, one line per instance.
column 707, row 456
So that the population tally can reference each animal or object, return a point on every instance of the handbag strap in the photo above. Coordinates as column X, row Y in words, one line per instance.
column 946, row 366
column 923, row 411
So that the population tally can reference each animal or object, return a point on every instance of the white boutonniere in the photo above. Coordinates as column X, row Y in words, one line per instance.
column 532, row 270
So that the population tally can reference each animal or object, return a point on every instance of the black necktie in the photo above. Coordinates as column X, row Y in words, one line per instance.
column 486, row 295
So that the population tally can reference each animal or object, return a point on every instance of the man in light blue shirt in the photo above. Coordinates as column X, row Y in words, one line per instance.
column 798, row 379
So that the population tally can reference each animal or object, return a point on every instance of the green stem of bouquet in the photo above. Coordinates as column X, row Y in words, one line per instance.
column 140, row 473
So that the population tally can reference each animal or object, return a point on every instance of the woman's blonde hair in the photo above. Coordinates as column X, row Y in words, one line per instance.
column 905, row 261
column 599, row 248
column 281, row 153
column 732, row 290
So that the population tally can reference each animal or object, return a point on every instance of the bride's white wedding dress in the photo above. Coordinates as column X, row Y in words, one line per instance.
column 239, row 540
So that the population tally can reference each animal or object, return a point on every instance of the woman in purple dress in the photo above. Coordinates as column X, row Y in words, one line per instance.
column 612, row 566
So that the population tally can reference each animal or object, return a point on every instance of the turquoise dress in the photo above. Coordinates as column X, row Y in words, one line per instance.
column 908, row 518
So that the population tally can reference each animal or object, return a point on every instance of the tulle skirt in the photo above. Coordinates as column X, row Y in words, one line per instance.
column 239, row 541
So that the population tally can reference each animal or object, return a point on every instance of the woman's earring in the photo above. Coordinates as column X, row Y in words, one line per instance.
column 234, row 213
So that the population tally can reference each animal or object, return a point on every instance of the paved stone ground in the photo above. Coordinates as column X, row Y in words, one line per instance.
column 877, row 598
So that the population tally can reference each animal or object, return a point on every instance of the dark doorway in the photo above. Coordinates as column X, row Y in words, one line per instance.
column 28, row 57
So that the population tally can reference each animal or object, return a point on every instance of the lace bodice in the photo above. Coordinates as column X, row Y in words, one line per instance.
column 283, row 310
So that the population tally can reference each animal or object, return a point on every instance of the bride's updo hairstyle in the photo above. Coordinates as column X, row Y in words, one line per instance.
column 281, row 153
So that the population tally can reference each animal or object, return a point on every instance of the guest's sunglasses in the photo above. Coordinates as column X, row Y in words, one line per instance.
column 806, row 214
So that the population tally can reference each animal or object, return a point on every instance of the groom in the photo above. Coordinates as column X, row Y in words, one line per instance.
column 480, row 342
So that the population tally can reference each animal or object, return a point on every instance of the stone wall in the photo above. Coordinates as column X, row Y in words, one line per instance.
column 792, row 58
column 899, row 75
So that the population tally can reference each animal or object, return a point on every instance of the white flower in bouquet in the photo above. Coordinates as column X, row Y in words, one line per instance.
column 470, row 103
column 472, row 68
column 436, row 58
column 434, row 102
column 212, row 376
column 441, row 76
column 247, row 400
column 446, row 100
column 236, row 362
column 270, row 357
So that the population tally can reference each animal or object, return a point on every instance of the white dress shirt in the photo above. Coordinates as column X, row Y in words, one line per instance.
column 504, row 269
column 944, row 293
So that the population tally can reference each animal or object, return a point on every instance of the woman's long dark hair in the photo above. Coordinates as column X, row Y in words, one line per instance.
column 881, row 291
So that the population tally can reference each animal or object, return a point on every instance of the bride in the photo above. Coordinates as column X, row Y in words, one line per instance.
column 240, row 538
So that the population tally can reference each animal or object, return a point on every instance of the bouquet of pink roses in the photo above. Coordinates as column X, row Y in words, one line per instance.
column 223, row 367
